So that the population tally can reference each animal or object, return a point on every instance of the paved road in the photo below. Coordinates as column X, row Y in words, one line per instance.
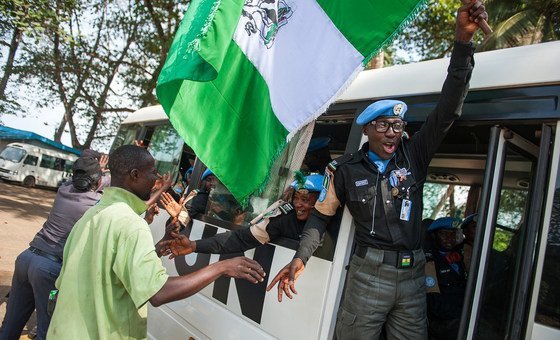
column 22, row 213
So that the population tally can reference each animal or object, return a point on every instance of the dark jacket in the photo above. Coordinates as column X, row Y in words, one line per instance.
column 357, row 183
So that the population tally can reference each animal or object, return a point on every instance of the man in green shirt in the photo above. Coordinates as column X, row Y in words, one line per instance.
column 110, row 266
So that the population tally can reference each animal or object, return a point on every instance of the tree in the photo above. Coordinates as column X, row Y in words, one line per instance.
column 515, row 23
column 107, row 68
column 522, row 22
column 19, row 19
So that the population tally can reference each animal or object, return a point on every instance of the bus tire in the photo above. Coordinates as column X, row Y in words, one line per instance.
column 29, row 181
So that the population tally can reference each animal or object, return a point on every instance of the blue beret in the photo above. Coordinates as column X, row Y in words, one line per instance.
column 444, row 223
column 469, row 219
column 313, row 183
column 382, row 108
column 318, row 143
column 206, row 173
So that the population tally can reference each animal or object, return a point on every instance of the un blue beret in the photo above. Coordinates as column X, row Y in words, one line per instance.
column 318, row 143
column 206, row 173
column 444, row 223
column 469, row 219
column 382, row 108
column 313, row 183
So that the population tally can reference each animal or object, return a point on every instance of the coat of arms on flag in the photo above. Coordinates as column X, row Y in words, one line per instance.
column 242, row 77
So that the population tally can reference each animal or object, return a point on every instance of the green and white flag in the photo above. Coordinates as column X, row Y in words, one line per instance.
column 243, row 76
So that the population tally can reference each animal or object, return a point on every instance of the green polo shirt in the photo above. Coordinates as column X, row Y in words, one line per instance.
column 110, row 270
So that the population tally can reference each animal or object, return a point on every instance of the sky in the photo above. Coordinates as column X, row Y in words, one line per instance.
column 42, row 121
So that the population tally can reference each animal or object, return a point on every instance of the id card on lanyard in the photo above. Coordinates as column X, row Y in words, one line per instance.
column 406, row 207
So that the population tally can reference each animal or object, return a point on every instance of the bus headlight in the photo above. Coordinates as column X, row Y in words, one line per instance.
column 14, row 172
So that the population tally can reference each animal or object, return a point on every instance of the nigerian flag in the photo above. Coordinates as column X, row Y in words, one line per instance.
column 243, row 76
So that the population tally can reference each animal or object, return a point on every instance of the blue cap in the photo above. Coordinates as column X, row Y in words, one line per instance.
column 313, row 183
column 449, row 223
column 382, row 108
column 318, row 143
column 469, row 219
column 189, row 170
column 206, row 173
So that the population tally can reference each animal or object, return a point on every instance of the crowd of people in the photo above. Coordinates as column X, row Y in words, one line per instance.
column 95, row 260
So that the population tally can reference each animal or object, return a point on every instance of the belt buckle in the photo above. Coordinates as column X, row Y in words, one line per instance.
column 405, row 260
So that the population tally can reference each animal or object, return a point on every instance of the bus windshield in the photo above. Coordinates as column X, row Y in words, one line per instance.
column 13, row 154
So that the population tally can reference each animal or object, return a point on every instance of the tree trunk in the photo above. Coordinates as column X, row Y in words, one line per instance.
column 60, row 129
column 8, row 68
column 442, row 201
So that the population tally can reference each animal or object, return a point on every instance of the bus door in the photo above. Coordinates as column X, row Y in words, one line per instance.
column 504, row 253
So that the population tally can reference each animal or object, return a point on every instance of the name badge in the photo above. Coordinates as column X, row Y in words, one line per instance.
column 405, row 209
column 361, row 183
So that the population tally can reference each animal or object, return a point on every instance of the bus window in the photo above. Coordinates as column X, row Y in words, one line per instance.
column 31, row 160
column 47, row 162
column 166, row 146
column 59, row 164
column 512, row 203
column 548, row 304
column 444, row 200
column 127, row 135
column 13, row 154
column 497, row 301
column 68, row 166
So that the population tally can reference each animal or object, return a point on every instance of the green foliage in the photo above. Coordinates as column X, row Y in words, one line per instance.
column 515, row 23
column 522, row 22
column 100, row 59
column 34, row 17
column 502, row 239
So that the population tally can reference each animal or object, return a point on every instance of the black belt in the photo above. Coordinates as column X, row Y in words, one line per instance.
column 45, row 255
column 395, row 258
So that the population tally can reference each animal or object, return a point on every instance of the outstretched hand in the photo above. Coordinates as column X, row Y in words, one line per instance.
column 243, row 268
column 468, row 18
column 286, row 278
column 166, row 180
column 169, row 204
column 103, row 161
column 162, row 184
column 151, row 212
column 176, row 245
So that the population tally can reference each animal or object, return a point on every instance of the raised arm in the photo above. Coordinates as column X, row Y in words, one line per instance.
column 180, row 287
column 166, row 181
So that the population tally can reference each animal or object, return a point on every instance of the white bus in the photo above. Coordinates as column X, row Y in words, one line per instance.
column 34, row 165
column 500, row 159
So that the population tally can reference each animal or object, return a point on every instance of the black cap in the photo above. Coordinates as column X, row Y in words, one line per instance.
column 87, row 165
column 90, row 153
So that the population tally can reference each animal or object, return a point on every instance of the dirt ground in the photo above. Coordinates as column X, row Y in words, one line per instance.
column 22, row 214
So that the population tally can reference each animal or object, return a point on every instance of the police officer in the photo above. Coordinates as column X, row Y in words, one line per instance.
column 469, row 230
column 446, row 278
column 382, row 187
column 197, row 206
column 287, row 220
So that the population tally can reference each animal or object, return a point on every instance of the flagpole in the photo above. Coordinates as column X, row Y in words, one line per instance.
column 481, row 23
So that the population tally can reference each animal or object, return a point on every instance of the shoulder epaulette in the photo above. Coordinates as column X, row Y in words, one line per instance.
column 340, row 160
column 286, row 208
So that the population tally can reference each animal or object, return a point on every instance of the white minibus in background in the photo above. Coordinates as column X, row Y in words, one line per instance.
column 500, row 159
column 33, row 165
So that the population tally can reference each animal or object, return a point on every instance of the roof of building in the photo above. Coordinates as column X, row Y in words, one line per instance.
column 19, row 135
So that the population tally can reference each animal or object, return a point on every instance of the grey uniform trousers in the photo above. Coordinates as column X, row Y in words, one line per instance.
column 379, row 294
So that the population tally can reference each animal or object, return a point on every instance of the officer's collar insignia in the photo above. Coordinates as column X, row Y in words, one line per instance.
column 398, row 109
